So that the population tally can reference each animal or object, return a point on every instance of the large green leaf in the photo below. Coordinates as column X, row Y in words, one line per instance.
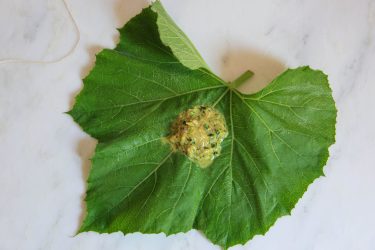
column 277, row 144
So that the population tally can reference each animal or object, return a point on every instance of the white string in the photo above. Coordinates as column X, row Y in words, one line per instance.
column 71, row 50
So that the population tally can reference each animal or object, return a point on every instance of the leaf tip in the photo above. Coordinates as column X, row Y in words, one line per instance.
column 69, row 112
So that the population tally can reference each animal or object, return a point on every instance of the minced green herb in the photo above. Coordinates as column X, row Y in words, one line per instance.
column 198, row 133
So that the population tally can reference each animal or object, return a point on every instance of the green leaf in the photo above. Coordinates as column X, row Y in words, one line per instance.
column 172, row 36
column 277, row 144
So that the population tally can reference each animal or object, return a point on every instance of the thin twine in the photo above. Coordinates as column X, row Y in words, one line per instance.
column 71, row 50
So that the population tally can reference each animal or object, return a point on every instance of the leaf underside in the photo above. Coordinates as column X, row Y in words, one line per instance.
column 277, row 144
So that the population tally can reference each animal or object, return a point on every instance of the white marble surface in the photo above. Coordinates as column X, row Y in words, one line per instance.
column 44, row 155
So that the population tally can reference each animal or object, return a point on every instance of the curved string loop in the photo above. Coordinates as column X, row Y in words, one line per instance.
column 71, row 50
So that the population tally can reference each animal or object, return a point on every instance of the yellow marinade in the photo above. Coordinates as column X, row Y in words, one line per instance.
column 198, row 133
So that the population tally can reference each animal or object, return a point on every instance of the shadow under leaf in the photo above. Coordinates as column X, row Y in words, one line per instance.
column 265, row 68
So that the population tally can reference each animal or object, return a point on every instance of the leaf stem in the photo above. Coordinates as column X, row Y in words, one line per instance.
column 241, row 79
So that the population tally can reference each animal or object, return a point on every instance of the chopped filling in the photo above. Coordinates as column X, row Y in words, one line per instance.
column 198, row 133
